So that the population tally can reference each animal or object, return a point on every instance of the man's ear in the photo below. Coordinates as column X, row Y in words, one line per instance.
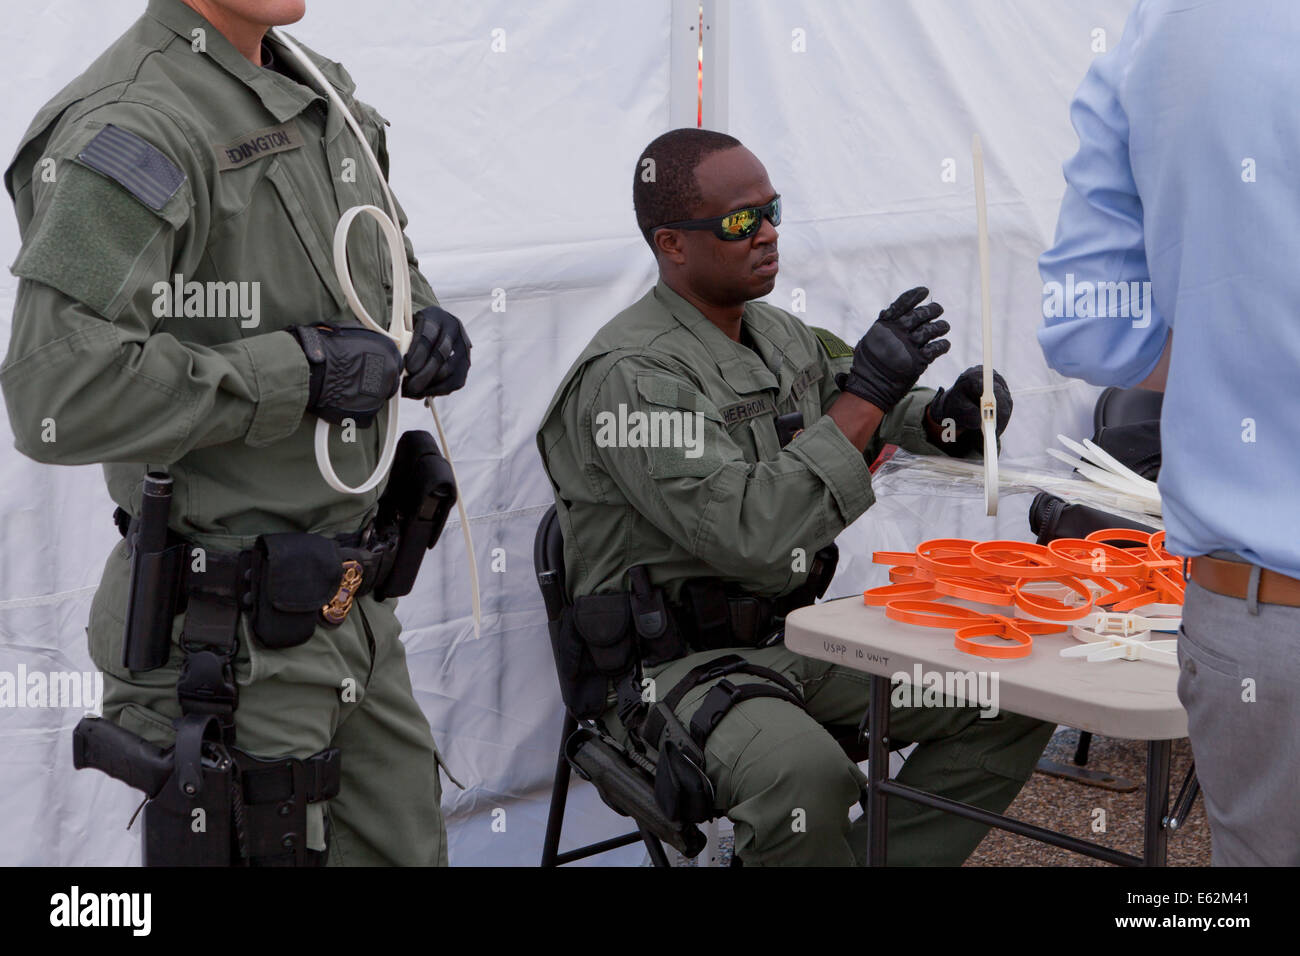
column 668, row 245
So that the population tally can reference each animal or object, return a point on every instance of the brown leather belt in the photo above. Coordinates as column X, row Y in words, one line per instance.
column 1232, row 578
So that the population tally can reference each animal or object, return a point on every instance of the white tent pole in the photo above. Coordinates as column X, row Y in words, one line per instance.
column 717, row 64
column 684, row 64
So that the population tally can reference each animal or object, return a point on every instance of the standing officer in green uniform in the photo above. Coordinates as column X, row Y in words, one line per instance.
column 704, row 454
column 178, row 308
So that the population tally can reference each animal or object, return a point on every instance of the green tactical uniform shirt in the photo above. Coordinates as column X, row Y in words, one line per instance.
column 174, row 156
column 727, row 501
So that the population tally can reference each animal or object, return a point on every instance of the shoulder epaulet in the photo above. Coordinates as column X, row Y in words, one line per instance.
column 835, row 346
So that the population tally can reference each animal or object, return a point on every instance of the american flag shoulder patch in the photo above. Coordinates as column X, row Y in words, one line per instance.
column 134, row 164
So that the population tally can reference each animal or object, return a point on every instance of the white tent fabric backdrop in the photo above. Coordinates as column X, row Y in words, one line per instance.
column 515, row 167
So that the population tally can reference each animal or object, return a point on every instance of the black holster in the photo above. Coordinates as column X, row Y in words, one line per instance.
column 414, row 507
column 192, row 822
column 682, row 788
column 154, row 589
column 624, row 784
column 210, row 804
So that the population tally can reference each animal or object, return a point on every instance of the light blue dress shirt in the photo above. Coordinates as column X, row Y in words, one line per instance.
column 1186, row 187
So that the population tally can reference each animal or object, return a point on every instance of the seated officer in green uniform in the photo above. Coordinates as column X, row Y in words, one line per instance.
column 705, row 450
column 178, row 308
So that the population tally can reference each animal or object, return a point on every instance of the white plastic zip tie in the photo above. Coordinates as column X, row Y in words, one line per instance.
column 988, row 401
column 1090, row 451
column 1095, row 464
column 1128, row 624
column 399, row 326
column 1111, row 635
column 1108, row 647
column 1103, row 477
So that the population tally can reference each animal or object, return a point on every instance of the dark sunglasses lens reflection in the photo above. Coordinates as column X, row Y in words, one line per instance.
column 743, row 223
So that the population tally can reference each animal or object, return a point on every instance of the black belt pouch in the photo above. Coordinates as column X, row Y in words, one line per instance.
column 582, row 686
column 296, row 574
column 606, row 650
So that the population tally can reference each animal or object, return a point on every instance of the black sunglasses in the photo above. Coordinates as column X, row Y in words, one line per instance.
column 740, row 224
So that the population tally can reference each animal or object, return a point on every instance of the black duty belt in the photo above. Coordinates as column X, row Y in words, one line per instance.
column 363, row 562
column 287, row 584
column 710, row 618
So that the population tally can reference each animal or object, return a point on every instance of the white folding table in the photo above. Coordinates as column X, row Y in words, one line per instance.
column 1135, row 700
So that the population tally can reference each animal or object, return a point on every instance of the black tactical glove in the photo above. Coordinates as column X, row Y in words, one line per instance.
column 895, row 351
column 961, row 404
column 438, row 360
column 354, row 371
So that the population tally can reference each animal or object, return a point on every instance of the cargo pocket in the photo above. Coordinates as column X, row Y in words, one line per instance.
column 681, row 429
column 146, row 723
column 299, row 285
column 108, row 614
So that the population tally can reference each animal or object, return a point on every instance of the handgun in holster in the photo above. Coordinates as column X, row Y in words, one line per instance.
column 189, row 787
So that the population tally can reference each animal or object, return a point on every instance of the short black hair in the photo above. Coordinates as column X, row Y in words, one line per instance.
column 667, row 190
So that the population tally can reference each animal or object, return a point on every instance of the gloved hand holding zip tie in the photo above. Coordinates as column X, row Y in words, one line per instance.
column 354, row 369
column 437, row 362
column 354, row 372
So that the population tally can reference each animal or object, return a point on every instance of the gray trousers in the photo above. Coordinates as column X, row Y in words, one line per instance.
column 1239, row 681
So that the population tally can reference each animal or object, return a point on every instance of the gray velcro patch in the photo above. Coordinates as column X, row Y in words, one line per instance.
column 135, row 165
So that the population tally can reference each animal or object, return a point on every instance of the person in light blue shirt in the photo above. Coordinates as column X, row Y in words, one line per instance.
column 1182, row 213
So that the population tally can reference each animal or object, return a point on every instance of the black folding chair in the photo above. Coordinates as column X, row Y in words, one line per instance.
column 548, row 559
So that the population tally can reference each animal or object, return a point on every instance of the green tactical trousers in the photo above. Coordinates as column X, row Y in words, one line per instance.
column 788, row 786
column 346, row 687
